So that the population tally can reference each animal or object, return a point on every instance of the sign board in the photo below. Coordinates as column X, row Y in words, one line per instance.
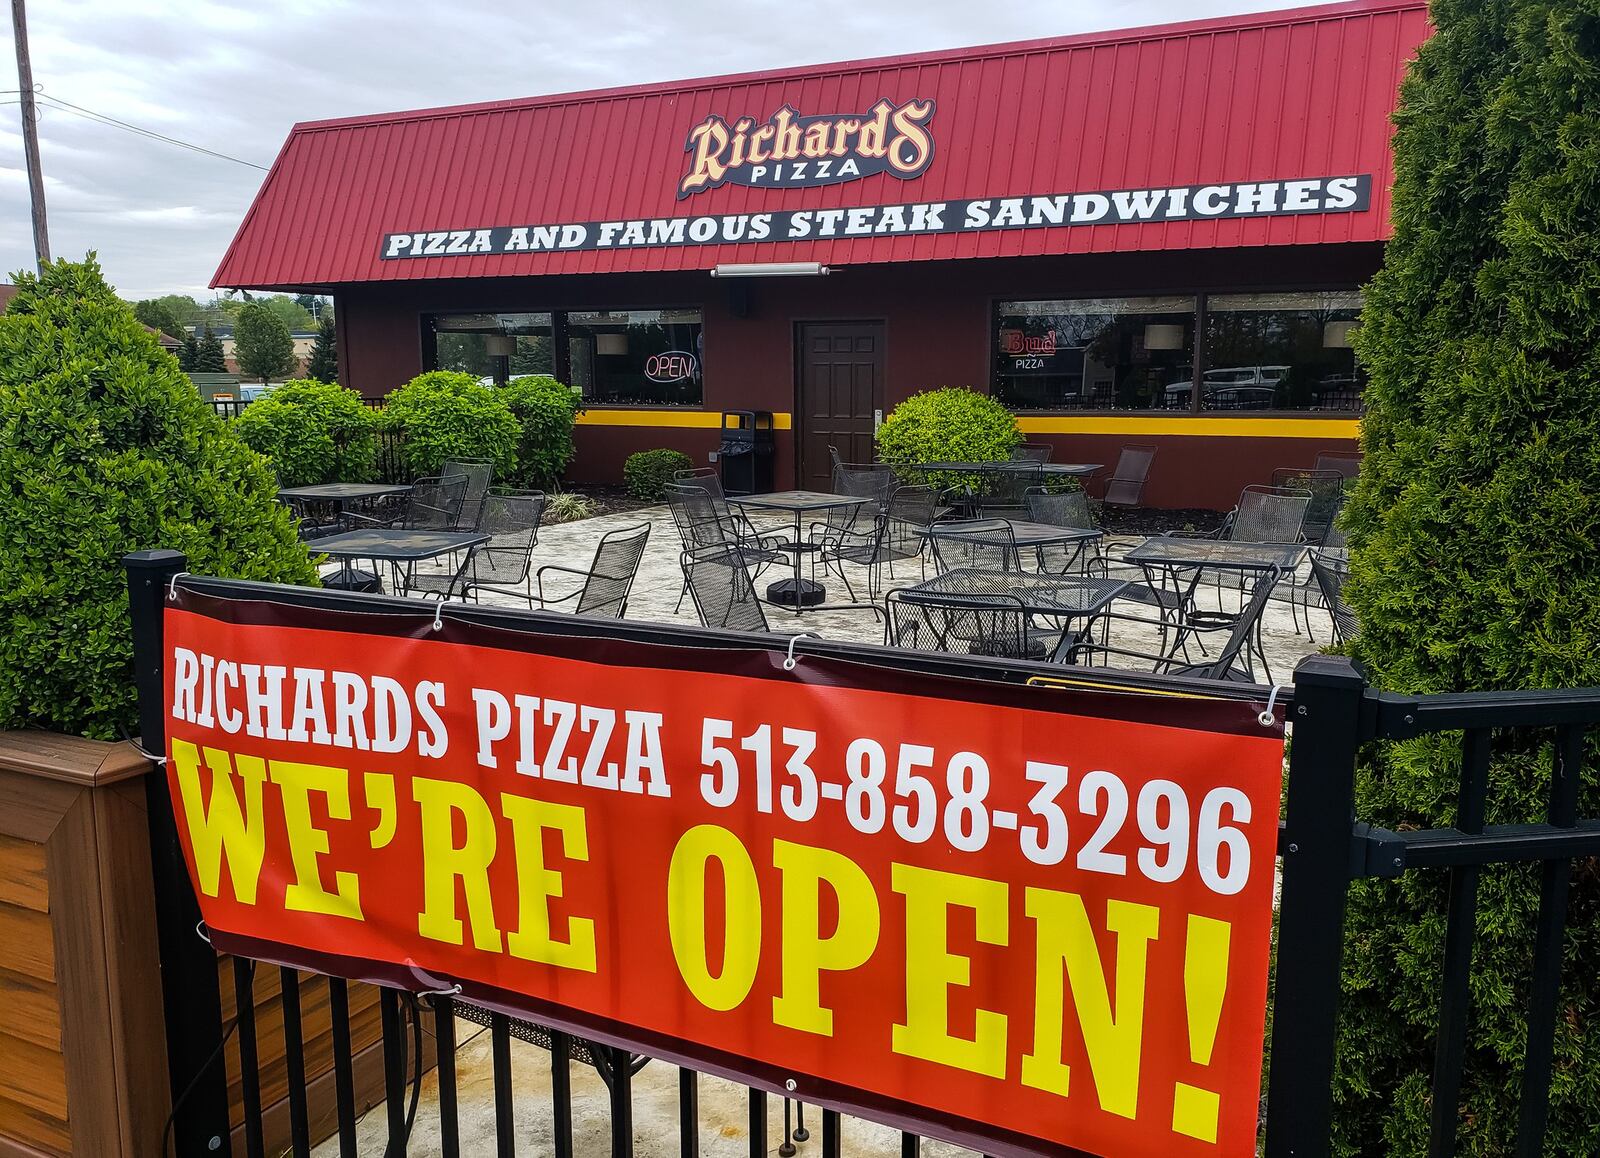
column 1279, row 198
column 1016, row 918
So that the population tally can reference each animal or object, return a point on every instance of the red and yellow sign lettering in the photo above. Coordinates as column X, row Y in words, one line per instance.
column 1019, row 918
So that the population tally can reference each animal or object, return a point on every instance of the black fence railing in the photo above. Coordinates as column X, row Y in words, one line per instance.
column 1324, row 847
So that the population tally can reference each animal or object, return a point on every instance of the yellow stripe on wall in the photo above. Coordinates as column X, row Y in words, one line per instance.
column 682, row 419
column 1196, row 427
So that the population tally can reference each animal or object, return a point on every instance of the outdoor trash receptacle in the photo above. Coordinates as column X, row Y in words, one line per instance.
column 746, row 452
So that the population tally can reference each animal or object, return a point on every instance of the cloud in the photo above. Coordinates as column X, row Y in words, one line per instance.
column 233, row 78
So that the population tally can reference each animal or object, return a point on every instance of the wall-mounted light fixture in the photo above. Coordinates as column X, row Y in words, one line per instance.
column 771, row 269
column 1163, row 337
column 1336, row 335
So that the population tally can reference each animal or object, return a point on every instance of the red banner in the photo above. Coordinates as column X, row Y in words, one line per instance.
column 1013, row 917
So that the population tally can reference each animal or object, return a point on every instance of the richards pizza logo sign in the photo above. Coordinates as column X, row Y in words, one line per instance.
column 790, row 151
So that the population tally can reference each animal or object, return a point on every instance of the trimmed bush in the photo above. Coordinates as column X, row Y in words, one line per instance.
column 951, row 424
column 312, row 432
column 443, row 415
column 647, row 473
column 547, row 411
column 106, row 448
column 1473, row 533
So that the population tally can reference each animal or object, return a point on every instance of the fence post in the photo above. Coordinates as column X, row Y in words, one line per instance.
column 1328, row 694
column 191, row 992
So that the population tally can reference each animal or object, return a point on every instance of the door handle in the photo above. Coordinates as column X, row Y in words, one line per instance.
column 877, row 420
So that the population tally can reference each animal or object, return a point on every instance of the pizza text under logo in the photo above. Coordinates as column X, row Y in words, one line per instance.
column 791, row 151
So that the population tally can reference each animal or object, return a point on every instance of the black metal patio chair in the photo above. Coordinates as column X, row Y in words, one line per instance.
column 1125, row 487
column 1330, row 567
column 478, row 472
column 986, row 544
column 1326, row 488
column 1071, row 510
column 511, row 520
column 1031, row 452
column 695, row 515
column 718, row 582
column 993, row 625
column 1003, row 489
column 1232, row 663
column 609, row 579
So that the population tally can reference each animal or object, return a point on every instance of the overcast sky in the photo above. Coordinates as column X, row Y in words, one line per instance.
column 233, row 77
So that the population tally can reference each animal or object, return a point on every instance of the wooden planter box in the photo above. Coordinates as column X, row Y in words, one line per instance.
column 83, row 1053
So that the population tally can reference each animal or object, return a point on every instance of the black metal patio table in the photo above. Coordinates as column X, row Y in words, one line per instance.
column 797, row 593
column 1027, row 535
column 342, row 493
column 1062, row 597
column 397, row 546
column 1060, row 469
column 1178, row 554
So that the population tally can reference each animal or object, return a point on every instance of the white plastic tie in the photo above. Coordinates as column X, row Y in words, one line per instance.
column 150, row 756
column 172, row 587
column 448, row 991
column 438, row 615
column 1267, row 717
column 789, row 661
column 200, row 931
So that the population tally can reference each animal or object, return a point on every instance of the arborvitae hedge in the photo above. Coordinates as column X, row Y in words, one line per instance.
column 1475, row 532
column 106, row 448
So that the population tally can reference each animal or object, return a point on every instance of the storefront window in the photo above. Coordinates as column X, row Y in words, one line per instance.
column 493, row 346
column 1281, row 352
column 1093, row 353
column 639, row 356
column 620, row 356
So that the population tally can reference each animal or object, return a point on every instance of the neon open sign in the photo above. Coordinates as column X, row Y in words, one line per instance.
column 671, row 366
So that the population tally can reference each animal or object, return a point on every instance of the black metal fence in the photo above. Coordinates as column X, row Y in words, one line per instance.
column 1323, row 844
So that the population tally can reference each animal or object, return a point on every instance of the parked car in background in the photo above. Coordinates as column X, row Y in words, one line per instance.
column 1230, row 388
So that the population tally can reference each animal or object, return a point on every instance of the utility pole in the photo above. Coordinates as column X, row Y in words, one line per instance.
column 30, row 133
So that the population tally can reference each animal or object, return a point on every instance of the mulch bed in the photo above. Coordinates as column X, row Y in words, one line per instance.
column 612, row 500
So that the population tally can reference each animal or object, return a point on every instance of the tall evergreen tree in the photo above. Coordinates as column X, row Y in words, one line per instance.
column 323, row 361
column 208, row 356
column 1474, row 561
column 261, row 343
column 188, row 352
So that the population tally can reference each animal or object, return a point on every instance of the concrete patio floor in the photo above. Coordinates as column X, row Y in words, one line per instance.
column 724, row 1107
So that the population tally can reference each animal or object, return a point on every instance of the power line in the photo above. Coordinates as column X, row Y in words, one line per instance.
column 66, row 106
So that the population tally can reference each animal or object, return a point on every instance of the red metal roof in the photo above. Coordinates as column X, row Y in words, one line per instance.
column 1304, row 93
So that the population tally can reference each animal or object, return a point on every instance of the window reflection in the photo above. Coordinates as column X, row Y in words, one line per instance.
column 494, row 347
column 1093, row 353
column 1280, row 352
column 648, row 356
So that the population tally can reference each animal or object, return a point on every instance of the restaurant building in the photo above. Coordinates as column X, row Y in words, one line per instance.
column 1084, row 226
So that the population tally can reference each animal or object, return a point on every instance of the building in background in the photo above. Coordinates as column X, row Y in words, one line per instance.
column 303, row 341
column 1155, row 236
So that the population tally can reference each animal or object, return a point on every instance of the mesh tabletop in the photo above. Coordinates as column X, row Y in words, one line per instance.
column 1055, row 468
column 1173, row 551
column 797, row 501
column 1024, row 533
column 342, row 492
column 397, row 545
column 1038, row 594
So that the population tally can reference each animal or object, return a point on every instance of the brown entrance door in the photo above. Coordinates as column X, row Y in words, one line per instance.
column 841, row 385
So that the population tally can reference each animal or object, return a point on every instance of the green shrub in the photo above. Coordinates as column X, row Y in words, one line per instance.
column 951, row 424
column 647, row 473
column 442, row 415
column 106, row 448
column 547, row 412
column 312, row 432
column 1474, row 566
